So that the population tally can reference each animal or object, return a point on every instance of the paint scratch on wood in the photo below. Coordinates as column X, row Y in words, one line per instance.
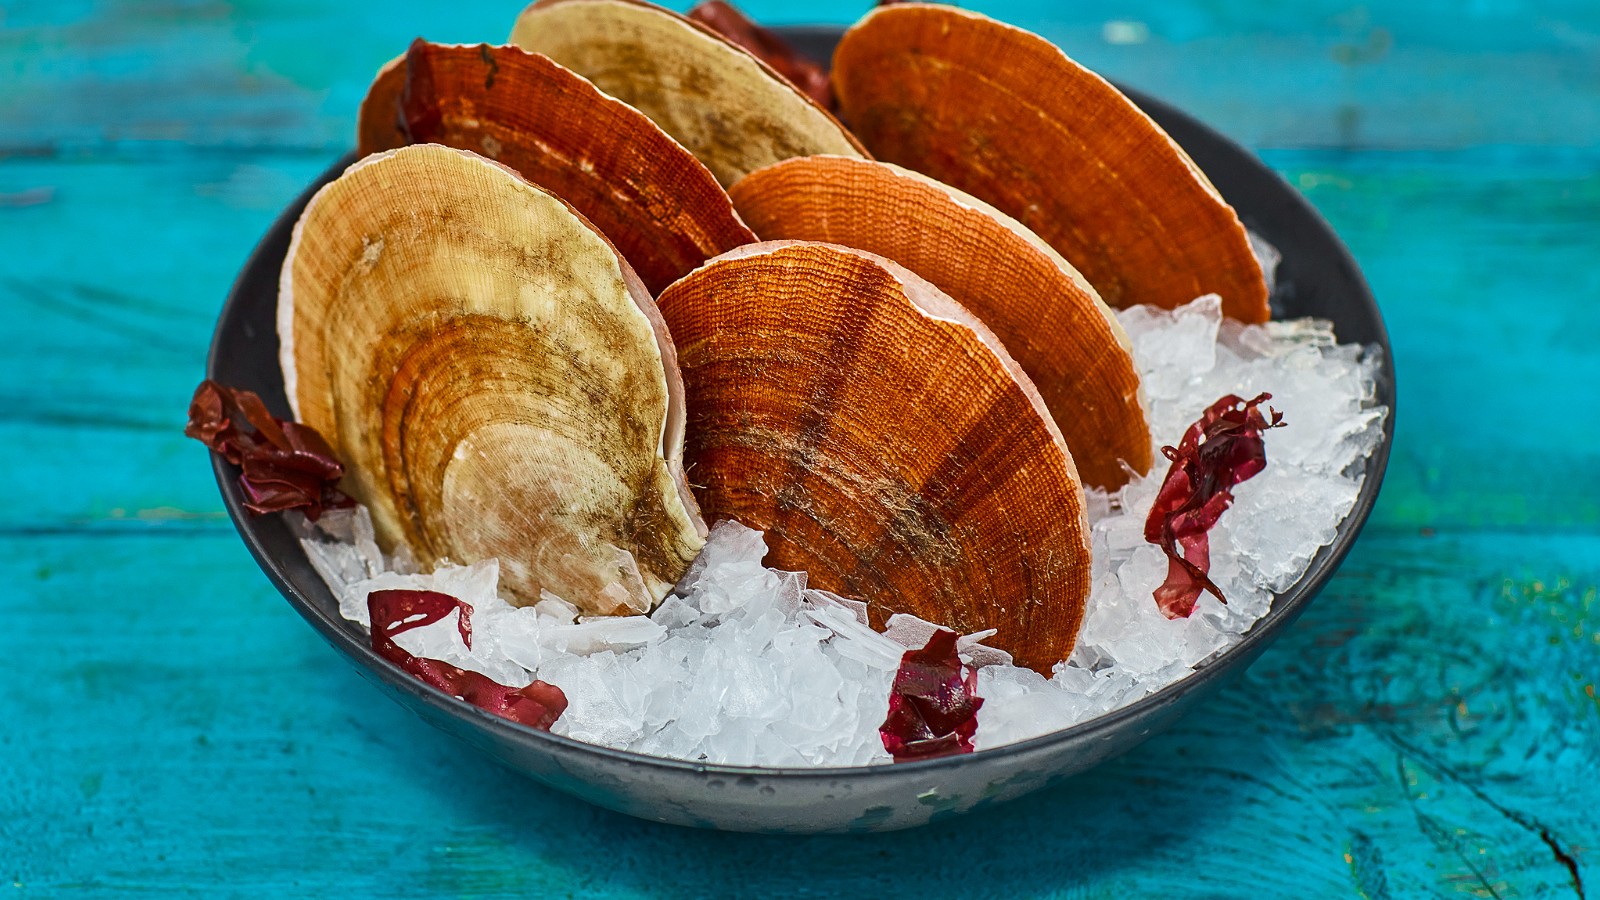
column 32, row 197
column 86, row 308
column 1440, row 769
column 1366, row 866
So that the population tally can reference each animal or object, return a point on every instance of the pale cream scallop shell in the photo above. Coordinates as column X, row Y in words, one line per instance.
column 729, row 108
column 496, row 379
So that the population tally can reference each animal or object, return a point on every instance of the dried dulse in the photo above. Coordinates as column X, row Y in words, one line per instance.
column 393, row 613
column 933, row 705
column 283, row 465
column 1219, row 451
column 726, row 19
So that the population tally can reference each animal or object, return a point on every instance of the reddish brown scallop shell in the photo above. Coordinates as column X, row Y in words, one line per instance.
column 884, row 440
column 378, row 120
column 642, row 189
column 766, row 45
column 1006, row 116
column 1046, row 315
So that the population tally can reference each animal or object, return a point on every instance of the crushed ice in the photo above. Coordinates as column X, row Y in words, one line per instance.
column 747, row 665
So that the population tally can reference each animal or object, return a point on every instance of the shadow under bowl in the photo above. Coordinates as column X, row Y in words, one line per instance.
column 1316, row 278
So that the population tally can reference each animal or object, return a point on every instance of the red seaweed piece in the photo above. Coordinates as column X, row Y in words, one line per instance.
column 284, row 465
column 538, row 705
column 933, row 705
column 726, row 19
column 1222, row 449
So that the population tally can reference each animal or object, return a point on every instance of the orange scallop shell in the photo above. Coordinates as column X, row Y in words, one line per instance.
column 885, row 441
column 1006, row 116
column 1049, row 319
column 642, row 189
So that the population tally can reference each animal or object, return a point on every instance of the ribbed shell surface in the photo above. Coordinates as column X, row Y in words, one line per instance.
column 883, row 440
column 378, row 119
column 730, row 109
column 641, row 188
column 1006, row 116
column 487, row 367
column 1049, row 319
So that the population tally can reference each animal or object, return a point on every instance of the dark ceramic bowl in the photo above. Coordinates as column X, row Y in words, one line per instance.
column 1317, row 278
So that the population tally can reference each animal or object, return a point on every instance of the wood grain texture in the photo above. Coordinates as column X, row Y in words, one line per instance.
column 1430, row 728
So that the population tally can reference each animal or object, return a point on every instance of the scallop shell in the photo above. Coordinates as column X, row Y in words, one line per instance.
column 1004, row 115
column 730, row 109
column 641, row 188
column 493, row 374
column 378, row 121
column 1049, row 319
column 885, row 441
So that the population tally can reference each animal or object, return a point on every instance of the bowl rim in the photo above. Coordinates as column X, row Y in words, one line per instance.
column 1285, row 606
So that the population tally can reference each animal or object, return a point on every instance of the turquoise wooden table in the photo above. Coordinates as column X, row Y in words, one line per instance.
column 169, row 727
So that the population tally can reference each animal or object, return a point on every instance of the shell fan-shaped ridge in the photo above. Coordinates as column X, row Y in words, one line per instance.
column 1006, row 116
column 729, row 108
column 884, row 440
column 661, row 207
column 494, row 376
column 1047, row 316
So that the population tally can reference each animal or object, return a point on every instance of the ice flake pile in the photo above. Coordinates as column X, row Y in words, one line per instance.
column 746, row 665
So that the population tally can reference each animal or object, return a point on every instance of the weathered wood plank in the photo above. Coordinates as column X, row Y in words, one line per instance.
column 1430, row 728
column 1434, row 705
column 112, row 288
column 1317, row 73
column 195, row 735
column 1482, row 262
